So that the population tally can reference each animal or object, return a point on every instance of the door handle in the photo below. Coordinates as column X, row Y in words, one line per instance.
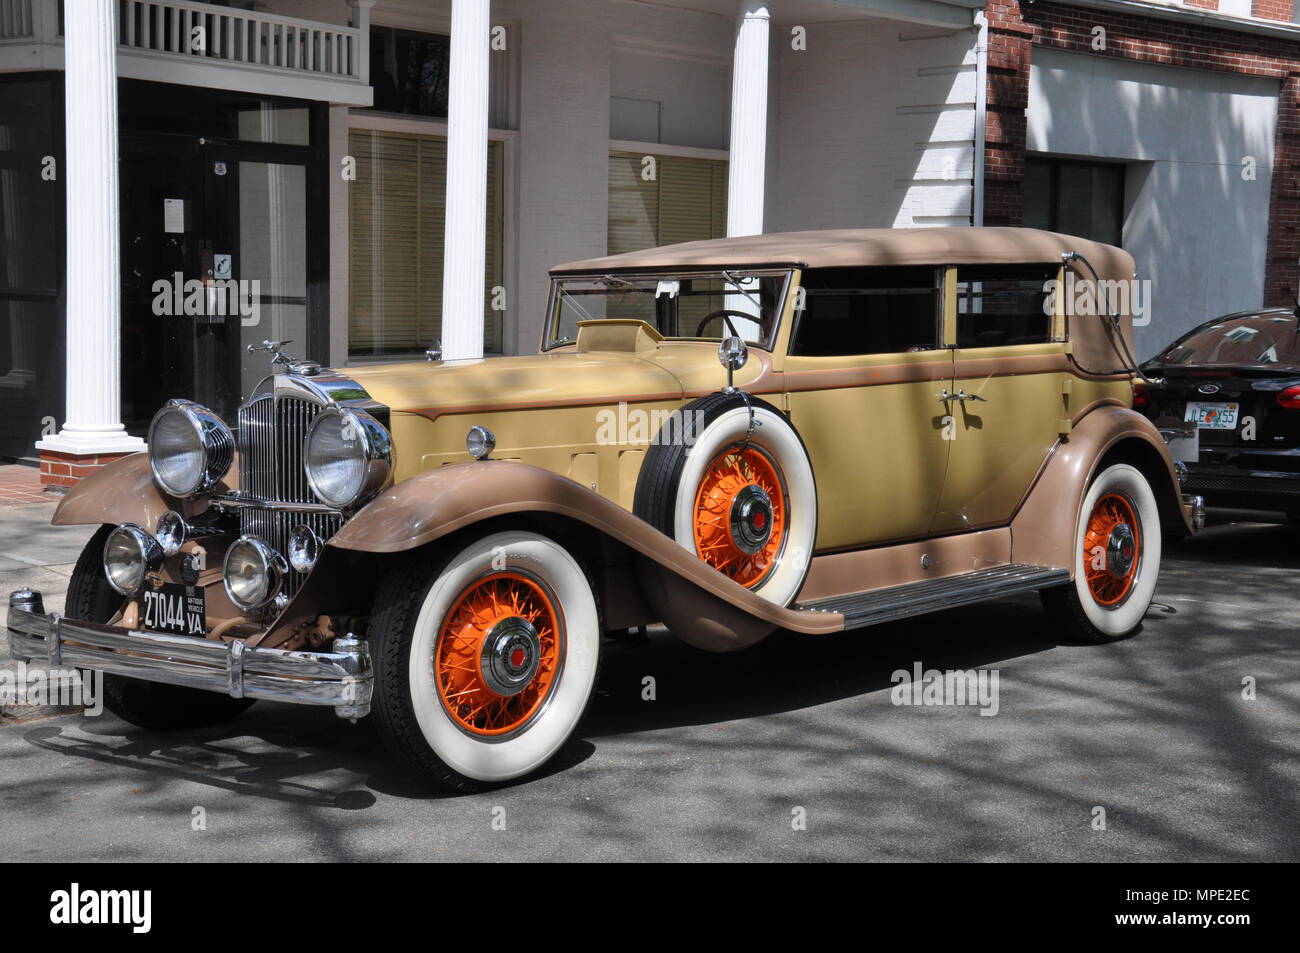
column 943, row 396
column 962, row 395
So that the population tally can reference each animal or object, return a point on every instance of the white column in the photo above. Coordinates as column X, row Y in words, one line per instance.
column 94, row 283
column 747, row 165
column 465, row 257
column 748, row 159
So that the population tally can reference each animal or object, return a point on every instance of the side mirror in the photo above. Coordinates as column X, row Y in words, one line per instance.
column 732, row 354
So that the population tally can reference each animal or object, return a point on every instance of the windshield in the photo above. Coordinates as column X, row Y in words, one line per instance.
column 1254, row 339
column 707, row 306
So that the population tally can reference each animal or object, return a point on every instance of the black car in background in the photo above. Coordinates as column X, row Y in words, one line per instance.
column 1230, row 398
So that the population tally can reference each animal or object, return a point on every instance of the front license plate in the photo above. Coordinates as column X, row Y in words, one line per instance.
column 1212, row 416
column 175, row 608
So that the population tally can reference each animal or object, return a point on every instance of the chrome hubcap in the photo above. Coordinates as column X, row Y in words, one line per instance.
column 1120, row 550
column 510, row 655
column 751, row 519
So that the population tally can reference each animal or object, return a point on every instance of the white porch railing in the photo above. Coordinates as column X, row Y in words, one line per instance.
column 238, row 36
column 204, row 36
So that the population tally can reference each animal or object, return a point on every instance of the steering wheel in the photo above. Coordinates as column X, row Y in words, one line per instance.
column 725, row 314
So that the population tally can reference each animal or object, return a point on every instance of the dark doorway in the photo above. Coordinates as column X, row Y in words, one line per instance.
column 223, row 243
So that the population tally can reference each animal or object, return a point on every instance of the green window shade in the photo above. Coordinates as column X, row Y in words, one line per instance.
column 397, row 218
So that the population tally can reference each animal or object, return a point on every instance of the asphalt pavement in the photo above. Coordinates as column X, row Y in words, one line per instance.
column 1151, row 749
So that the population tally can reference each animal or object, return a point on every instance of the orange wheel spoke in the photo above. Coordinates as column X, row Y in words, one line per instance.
column 1112, row 529
column 497, row 609
column 737, row 477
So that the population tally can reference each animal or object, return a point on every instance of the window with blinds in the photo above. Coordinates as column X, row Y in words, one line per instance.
column 397, row 208
column 685, row 200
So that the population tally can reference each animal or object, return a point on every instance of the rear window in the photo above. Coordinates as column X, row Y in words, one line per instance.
column 1252, row 339
column 1001, row 305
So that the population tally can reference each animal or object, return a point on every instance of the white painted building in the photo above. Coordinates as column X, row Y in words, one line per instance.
column 396, row 172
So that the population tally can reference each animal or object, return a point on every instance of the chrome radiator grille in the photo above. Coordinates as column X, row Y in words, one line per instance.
column 271, row 434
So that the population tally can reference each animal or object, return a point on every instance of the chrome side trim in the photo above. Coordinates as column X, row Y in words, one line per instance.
column 901, row 602
column 342, row 679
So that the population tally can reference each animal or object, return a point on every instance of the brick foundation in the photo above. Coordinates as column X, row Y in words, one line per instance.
column 65, row 469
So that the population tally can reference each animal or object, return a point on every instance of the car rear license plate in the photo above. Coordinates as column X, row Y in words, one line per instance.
column 175, row 608
column 1212, row 416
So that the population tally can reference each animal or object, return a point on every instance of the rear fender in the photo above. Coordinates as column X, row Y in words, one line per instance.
column 1042, row 531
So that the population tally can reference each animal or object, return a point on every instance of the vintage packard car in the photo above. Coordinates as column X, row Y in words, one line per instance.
column 903, row 421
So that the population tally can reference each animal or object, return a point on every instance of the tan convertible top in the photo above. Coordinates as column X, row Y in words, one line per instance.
column 865, row 246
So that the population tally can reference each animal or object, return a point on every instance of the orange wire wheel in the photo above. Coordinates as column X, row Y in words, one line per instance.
column 740, row 514
column 1112, row 548
column 498, row 654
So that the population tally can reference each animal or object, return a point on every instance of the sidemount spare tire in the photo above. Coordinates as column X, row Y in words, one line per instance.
column 729, row 479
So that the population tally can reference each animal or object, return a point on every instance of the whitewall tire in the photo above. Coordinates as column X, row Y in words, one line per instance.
column 486, row 672
column 1116, row 558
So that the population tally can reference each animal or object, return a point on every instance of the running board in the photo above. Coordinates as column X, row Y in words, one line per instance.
column 900, row 602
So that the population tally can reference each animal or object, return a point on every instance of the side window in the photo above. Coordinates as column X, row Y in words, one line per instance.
column 1000, row 305
column 852, row 311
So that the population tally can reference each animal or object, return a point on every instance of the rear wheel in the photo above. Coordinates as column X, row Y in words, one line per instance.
column 1116, row 559
column 150, row 705
column 484, row 661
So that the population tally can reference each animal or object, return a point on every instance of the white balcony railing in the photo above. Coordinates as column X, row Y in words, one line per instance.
column 172, row 34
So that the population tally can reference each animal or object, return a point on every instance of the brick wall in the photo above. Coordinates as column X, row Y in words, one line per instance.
column 1272, row 9
column 1015, row 30
column 64, row 470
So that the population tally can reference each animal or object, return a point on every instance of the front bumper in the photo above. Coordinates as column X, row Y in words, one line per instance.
column 341, row 678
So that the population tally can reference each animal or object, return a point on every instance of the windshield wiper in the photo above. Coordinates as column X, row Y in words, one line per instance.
column 736, row 282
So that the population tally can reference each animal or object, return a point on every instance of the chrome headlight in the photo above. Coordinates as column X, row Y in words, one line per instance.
column 190, row 448
column 348, row 456
column 253, row 572
column 129, row 554
column 304, row 548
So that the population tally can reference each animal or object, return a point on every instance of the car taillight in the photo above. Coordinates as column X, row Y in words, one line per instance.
column 1290, row 398
column 1141, row 395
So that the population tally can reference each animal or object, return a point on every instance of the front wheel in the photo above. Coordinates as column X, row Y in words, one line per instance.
column 484, row 661
column 1116, row 559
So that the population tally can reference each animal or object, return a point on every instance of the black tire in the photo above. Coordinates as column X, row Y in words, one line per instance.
column 419, row 732
column 150, row 705
column 705, row 428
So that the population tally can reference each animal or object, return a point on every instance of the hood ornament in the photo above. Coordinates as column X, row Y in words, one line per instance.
column 278, row 357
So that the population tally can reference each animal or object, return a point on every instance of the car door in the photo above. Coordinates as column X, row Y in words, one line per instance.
column 865, row 362
column 1007, row 399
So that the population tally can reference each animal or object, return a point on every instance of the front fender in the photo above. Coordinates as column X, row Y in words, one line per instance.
column 698, row 603
column 124, row 492
column 1042, row 531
